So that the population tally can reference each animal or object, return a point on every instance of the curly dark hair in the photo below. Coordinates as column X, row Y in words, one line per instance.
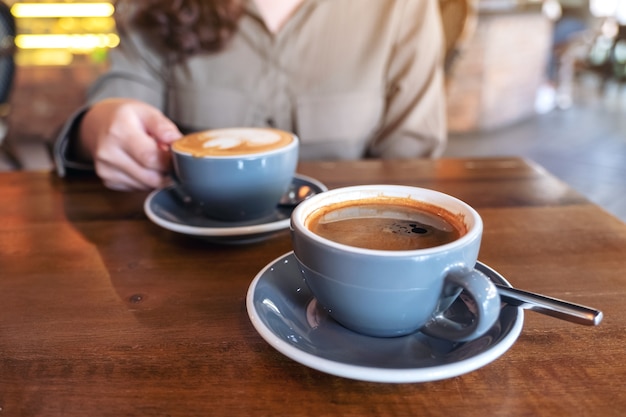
column 182, row 28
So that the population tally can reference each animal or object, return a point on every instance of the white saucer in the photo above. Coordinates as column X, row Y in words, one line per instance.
column 286, row 315
column 166, row 208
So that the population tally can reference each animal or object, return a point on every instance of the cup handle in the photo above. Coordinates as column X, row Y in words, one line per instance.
column 485, row 305
column 182, row 196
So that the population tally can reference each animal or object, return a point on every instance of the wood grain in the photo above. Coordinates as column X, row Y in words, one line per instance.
column 106, row 314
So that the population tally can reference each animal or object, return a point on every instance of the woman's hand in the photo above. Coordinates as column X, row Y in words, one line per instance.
column 128, row 142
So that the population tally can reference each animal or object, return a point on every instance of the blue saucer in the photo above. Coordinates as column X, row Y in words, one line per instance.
column 166, row 208
column 286, row 315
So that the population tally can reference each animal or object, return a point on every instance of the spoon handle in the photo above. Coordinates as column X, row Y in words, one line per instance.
column 554, row 307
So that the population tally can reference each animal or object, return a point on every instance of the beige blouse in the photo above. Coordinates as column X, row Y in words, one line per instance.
column 352, row 78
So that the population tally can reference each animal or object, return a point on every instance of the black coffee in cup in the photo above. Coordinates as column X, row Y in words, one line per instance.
column 386, row 224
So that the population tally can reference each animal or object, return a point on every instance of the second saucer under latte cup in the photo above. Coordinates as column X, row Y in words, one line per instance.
column 236, row 174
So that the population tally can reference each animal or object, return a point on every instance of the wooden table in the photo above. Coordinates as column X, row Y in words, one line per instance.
column 106, row 314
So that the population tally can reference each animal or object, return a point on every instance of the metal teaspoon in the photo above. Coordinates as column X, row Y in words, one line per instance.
column 554, row 307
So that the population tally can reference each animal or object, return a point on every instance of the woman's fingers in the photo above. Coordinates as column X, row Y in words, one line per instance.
column 129, row 142
column 122, row 172
column 150, row 137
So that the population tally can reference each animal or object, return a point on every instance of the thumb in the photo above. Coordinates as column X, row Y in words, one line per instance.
column 162, row 129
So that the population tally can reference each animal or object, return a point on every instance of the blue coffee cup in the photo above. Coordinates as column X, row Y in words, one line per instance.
column 236, row 174
column 389, row 293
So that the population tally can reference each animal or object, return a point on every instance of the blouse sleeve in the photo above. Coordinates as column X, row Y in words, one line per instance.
column 414, row 123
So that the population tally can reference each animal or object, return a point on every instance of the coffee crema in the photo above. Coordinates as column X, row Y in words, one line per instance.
column 231, row 142
column 387, row 223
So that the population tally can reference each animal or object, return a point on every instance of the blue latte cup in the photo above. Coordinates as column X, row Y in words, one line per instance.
column 389, row 260
column 236, row 174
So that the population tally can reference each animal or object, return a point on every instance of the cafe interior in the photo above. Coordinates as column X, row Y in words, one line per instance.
column 536, row 99
column 541, row 96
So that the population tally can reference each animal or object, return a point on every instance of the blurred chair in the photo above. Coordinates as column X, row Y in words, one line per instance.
column 7, row 68
column 599, row 51
column 459, row 19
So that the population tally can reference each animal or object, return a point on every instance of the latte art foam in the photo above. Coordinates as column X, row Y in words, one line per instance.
column 229, row 142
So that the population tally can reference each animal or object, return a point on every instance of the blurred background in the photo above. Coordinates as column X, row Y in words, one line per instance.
column 536, row 78
column 60, row 48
